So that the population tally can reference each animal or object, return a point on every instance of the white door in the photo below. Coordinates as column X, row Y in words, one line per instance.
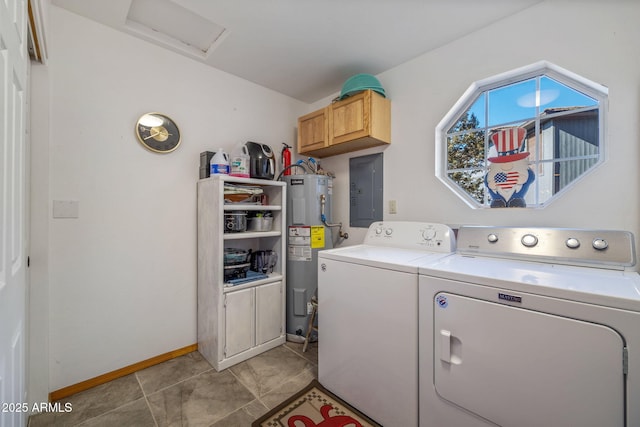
column 239, row 321
column 518, row 367
column 269, row 312
column 14, row 63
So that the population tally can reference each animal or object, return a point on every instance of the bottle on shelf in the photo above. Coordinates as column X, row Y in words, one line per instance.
column 239, row 161
column 219, row 163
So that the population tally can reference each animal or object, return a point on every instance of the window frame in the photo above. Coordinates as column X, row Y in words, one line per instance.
column 476, row 89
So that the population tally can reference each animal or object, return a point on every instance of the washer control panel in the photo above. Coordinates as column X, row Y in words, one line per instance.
column 411, row 235
column 602, row 248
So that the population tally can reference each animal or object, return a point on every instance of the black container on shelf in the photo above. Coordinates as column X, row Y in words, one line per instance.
column 205, row 158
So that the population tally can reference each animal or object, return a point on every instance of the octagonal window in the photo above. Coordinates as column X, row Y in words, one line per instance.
column 522, row 138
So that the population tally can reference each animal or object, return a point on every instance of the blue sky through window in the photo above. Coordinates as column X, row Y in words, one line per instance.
column 517, row 102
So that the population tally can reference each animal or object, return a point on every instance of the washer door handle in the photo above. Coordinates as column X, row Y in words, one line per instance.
column 445, row 346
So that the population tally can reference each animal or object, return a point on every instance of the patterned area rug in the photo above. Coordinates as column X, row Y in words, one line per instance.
column 314, row 407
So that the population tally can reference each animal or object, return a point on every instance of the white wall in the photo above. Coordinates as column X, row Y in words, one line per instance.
column 122, row 277
column 598, row 40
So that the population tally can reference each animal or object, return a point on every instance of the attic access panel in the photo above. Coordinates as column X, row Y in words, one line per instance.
column 168, row 24
column 365, row 190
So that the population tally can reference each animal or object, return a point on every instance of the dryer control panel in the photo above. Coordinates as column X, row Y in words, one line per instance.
column 597, row 248
column 411, row 235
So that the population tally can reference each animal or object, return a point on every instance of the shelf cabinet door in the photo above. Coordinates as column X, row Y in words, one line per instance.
column 239, row 321
column 312, row 131
column 269, row 312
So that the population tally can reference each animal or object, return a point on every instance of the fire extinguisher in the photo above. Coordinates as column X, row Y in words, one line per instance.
column 286, row 159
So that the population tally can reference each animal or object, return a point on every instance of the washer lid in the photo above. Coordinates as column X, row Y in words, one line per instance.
column 398, row 259
column 610, row 288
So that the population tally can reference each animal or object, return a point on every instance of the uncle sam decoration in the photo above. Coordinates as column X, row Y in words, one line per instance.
column 509, row 175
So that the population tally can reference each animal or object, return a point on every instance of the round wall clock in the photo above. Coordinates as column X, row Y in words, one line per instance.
column 158, row 133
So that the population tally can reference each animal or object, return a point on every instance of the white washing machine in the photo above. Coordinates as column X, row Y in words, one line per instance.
column 531, row 327
column 368, row 318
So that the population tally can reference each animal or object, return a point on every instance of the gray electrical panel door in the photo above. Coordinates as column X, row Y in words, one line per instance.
column 365, row 191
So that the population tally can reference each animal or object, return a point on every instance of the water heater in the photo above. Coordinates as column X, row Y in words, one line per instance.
column 308, row 210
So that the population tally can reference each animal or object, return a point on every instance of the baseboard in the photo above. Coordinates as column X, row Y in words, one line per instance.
column 110, row 376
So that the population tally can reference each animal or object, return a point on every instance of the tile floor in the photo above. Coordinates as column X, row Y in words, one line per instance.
column 188, row 391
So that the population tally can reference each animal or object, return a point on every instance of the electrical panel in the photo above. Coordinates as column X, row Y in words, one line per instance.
column 365, row 190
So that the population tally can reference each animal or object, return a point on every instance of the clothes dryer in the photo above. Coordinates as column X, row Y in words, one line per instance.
column 368, row 318
column 531, row 327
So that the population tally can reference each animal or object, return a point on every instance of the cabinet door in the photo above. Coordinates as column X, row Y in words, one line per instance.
column 239, row 321
column 312, row 131
column 350, row 119
column 269, row 312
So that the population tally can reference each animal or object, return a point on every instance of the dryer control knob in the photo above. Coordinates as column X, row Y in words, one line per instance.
column 600, row 244
column 492, row 238
column 429, row 234
column 388, row 231
column 529, row 240
column 572, row 243
column 378, row 230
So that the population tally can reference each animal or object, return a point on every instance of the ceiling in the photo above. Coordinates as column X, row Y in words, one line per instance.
column 302, row 48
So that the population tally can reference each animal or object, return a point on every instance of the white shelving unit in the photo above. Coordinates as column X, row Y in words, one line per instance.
column 241, row 321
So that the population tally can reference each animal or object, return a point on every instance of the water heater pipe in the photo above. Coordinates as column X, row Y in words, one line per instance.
column 323, row 217
column 298, row 164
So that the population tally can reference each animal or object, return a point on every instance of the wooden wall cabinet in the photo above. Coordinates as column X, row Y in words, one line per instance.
column 354, row 123
column 236, row 322
column 312, row 131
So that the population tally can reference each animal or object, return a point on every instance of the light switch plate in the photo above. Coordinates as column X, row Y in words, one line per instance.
column 66, row 209
column 393, row 207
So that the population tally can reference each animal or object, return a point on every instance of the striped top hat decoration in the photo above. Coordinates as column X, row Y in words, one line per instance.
column 509, row 143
